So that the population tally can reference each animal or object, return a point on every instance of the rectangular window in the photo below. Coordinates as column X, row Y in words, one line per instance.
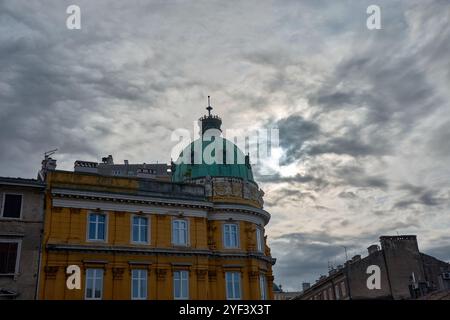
column 181, row 285
column 94, row 284
column 12, row 206
column 233, row 285
column 180, row 232
column 230, row 235
column 343, row 289
column 8, row 257
column 259, row 240
column 263, row 286
column 336, row 292
column 139, row 284
column 140, row 229
column 97, row 227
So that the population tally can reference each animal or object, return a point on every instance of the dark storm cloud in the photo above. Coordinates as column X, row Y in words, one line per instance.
column 347, row 195
column 294, row 132
column 315, row 182
column 419, row 195
column 286, row 196
column 344, row 146
column 356, row 176
column 57, row 86
column 439, row 141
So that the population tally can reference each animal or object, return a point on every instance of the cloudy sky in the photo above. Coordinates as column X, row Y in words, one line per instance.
column 363, row 114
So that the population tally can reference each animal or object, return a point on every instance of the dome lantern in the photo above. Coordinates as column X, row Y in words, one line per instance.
column 210, row 121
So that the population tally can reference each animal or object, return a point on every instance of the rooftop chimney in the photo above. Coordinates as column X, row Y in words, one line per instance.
column 108, row 160
column 47, row 164
column 372, row 249
column 306, row 286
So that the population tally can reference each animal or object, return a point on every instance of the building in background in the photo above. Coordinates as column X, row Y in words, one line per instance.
column 280, row 294
column 198, row 236
column 405, row 273
column 21, row 223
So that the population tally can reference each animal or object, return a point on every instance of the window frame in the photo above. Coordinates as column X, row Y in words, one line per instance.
column 263, row 286
column 3, row 205
column 233, row 282
column 88, row 239
column 132, row 227
column 337, row 293
column 330, row 293
column 260, row 244
column 343, row 289
column 93, row 288
column 188, row 242
column 238, row 235
column 18, row 253
column 139, row 284
column 181, row 272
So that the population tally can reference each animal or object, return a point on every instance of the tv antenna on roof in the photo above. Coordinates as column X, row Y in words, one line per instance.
column 49, row 153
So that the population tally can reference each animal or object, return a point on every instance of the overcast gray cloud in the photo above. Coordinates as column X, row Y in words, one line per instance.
column 363, row 115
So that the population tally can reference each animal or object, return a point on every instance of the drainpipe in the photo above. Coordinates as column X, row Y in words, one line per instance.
column 41, row 233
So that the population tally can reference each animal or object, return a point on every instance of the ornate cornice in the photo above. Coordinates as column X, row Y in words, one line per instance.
column 158, row 251
column 75, row 199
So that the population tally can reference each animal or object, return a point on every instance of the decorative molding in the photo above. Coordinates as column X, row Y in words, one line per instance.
column 182, row 264
column 162, row 251
column 51, row 271
column 95, row 261
column 128, row 203
column 253, row 275
column 90, row 195
column 147, row 263
column 212, row 275
column 201, row 274
column 161, row 273
column 75, row 210
column 118, row 273
column 237, row 216
column 113, row 206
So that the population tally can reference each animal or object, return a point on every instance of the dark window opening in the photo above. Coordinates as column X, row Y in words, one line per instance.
column 12, row 206
column 8, row 257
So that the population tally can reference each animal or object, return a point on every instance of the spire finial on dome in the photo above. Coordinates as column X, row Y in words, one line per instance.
column 210, row 121
column 209, row 108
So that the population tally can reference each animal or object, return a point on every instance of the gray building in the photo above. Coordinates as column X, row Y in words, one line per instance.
column 21, row 224
column 404, row 273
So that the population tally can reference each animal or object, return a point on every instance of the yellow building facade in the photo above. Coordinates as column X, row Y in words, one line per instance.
column 136, row 238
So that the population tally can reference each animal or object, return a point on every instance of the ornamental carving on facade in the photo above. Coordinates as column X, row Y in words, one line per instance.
column 118, row 273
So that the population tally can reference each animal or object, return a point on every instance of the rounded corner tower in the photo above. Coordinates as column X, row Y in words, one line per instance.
column 236, row 218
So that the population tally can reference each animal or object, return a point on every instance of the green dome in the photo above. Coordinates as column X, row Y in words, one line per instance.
column 195, row 164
